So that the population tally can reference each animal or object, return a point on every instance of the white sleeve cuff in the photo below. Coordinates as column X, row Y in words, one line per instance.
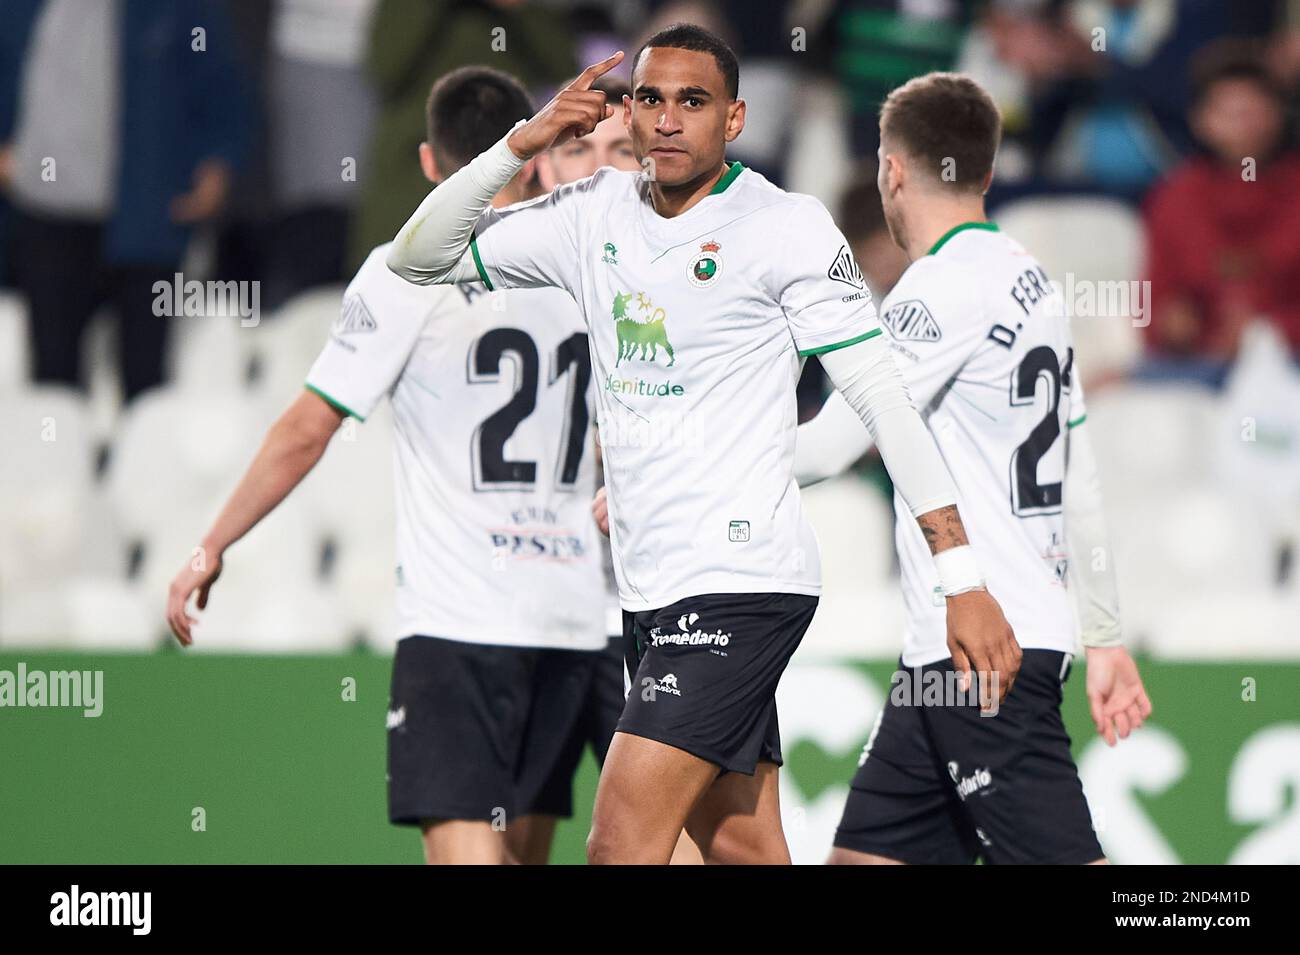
column 431, row 243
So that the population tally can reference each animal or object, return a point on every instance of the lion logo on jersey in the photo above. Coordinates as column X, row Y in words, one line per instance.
column 645, row 332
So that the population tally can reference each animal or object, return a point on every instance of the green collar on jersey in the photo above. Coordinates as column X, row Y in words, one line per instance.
column 986, row 226
column 728, row 177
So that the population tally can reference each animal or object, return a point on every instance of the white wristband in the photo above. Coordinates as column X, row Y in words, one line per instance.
column 959, row 571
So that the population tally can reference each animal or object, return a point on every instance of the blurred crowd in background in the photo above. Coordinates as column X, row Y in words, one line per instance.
column 274, row 142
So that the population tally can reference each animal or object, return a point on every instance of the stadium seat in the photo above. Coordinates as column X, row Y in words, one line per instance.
column 178, row 454
column 818, row 163
column 82, row 613
column 1227, row 623
column 101, row 373
column 46, row 493
column 211, row 353
column 350, row 496
column 1177, row 528
column 1150, row 439
column 1092, row 240
column 1174, row 546
column 1257, row 439
column 270, row 598
column 286, row 344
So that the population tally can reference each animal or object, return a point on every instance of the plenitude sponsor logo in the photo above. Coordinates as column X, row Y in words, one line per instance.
column 639, row 386
column 73, row 908
column 82, row 689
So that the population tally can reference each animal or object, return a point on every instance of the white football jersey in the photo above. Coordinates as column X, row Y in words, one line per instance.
column 698, row 325
column 983, row 342
column 494, row 457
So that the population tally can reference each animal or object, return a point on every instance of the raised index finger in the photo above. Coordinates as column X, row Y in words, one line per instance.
column 596, row 71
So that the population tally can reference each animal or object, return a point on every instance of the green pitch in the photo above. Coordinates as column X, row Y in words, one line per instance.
column 204, row 758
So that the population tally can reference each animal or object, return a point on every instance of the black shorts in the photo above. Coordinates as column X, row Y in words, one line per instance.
column 488, row 732
column 941, row 784
column 703, row 674
column 579, row 703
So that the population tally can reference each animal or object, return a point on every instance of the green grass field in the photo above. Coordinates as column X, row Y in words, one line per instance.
column 284, row 769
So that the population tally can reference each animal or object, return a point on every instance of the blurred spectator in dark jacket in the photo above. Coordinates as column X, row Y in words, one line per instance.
column 1223, row 231
column 881, row 44
column 126, row 123
column 412, row 43
column 321, row 115
column 1109, row 83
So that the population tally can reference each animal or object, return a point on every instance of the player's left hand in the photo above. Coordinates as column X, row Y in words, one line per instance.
column 600, row 511
column 1116, row 697
column 980, row 639
column 206, row 197
column 197, row 575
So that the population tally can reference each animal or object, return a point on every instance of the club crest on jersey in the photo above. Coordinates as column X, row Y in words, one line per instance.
column 845, row 270
column 911, row 321
column 706, row 265
column 355, row 318
column 640, row 328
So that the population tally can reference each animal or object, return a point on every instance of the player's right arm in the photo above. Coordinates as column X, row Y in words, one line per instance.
column 290, row 450
column 815, row 274
column 381, row 321
column 439, row 244
column 827, row 445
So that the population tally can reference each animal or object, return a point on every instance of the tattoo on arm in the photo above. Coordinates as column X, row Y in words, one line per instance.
column 942, row 528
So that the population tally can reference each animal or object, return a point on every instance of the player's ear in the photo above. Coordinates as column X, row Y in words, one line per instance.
column 735, row 120
column 528, row 172
column 895, row 172
column 627, row 112
column 428, row 164
column 988, row 181
column 546, row 171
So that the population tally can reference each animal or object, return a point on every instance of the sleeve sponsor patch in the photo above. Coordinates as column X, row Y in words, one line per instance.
column 354, row 318
column 911, row 321
column 845, row 270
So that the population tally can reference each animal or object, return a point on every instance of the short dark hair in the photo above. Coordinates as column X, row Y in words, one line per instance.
column 947, row 122
column 1231, row 59
column 688, row 36
column 469, row 109
column 614, row 88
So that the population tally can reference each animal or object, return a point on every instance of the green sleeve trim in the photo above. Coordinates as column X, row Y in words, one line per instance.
column 852, row 341
column 336, row 405
column 478, row 264
column 1077, row 421
column 943, row 239
column 728, row 177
